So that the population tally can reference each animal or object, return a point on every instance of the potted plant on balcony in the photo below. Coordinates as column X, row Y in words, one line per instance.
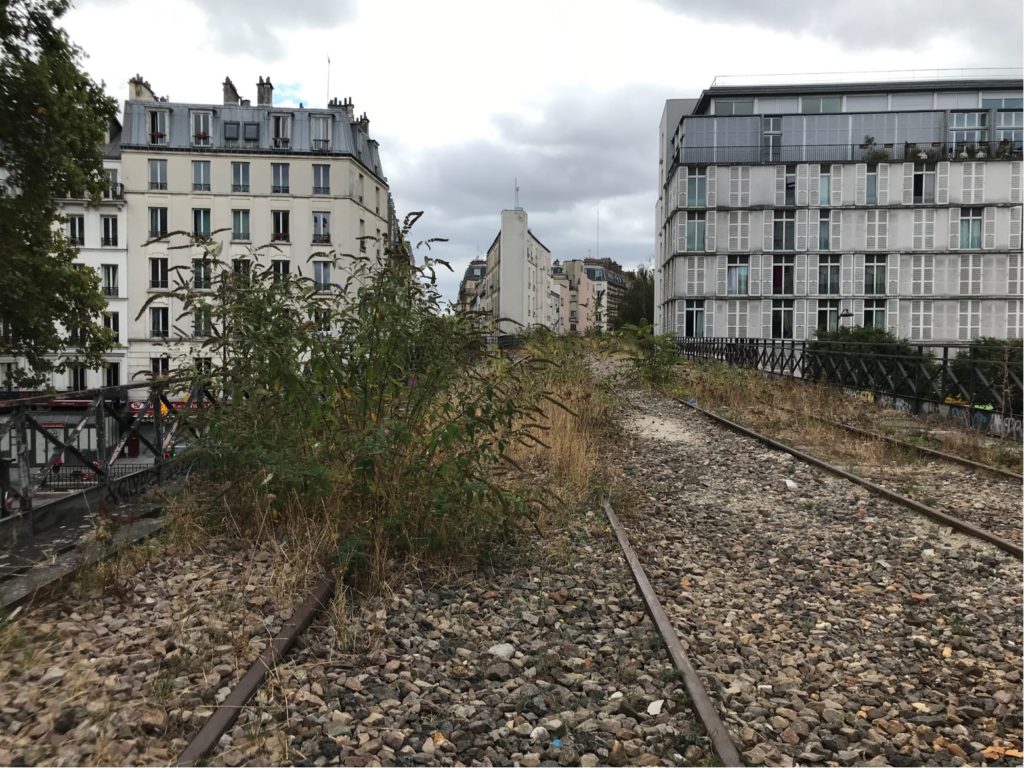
column 1004, row 150
column 873, row 153
column 202, row 136
column 156, row 135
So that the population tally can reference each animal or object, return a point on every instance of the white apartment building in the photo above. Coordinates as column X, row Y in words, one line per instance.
column 516, row 290
column 784, row 209
column 304, row 181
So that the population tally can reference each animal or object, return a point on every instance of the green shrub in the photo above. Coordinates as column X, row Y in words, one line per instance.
column 989, row 373
column 870, row 358
column 654, row 357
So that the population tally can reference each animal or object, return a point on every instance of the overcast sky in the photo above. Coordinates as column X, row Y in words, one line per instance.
column 466, row 96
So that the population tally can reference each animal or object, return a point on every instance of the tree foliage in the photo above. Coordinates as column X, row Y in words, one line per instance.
column 53, row 121
column 637, row 306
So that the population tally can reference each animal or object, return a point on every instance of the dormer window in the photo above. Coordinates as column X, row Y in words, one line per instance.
column 231, row 132
column 320, row 128
column 201, row 129
column 281, row 130
column 157, row 122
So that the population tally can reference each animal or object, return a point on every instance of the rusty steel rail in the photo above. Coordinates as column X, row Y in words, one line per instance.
column 941, row 517
column 952, row 457
column 225, row 715
column 720, row 738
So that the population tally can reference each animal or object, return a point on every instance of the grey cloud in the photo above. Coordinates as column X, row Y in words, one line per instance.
column 993, row 28
column 254, row 26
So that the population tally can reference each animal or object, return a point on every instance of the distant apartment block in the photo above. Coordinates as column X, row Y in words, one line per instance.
column 609, row 290
column 788, row 209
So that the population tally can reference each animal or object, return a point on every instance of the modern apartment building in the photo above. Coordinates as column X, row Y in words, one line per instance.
column 788, row 208
column 609, row 290
column 515, row 292
column 303, row 181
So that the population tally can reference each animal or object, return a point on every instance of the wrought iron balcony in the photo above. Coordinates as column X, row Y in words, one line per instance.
column 200, row 187
column 321, row 190
column 240, row 236
column 114, row 192
column 239, row 187
column 279, row 189
column 110, row 290
column 280, row 237
column 323, row 237
column 321, row 145
column 158, row 185
column 109, row 242
column 281, row 142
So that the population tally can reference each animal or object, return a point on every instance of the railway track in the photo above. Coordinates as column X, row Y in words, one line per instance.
column 826, row 625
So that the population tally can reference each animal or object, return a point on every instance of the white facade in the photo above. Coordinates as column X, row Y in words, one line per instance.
column 895, row 205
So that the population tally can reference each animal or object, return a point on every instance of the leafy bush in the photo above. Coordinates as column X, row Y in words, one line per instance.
column 654, row 357
column 989, row 373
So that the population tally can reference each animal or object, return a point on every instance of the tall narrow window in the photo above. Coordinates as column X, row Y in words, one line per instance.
column 112, row 375
column 112, row 322
column 694, row 320
column 362, row 235
column 239, row 177
column 874, row 313
column 113, row 190
column 109, row 230
column 160, row 366
column 201, row 222
column 790, row 185
column 924, row 183
column 76, row 229
column 922, row 275
column 782, row 275
column 76, row 378
column 281, row 130
column 828, row 315
column 828, row 275
column 782, row 319
column 157, row 222
column 320, row 129
column 321, row 227
column 874, row 274
column 696, row 187
column 282, row 230
column 321, row 179
column 771, row 139
column 158, row 174
column 279, row 268
column 825, row 185
column 279, row 182
column 201, row 130
column 322, row 275
column 824, row 230
column 157, row 119
column 970, row 320
column 970, row 227
column 737, row 278
column 110, row 280
column 240, row 225
column 202, row 278
column 784, row 231
column 871, row 196
column 970, row 274
column 200, row 175
column 202, row 321
column 158, row 272
column 159, row 322
column 695, row 230
column 921, row 320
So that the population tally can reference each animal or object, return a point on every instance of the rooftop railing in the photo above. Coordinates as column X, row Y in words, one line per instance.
column 850, row 153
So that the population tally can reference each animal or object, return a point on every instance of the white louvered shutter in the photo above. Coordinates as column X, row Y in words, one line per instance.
column 836, row 198
column 710, row 229
column 883, row 184
column 671, row 197
column 835, row 235
column 861, row 184
column 892, row 316
column 680, row 232
column 908, row 183
column 780, row 185
column 892, row 274
column 681, row 173
column 929, row 229
column 766, row 318
column 734, row 231
column 709, row 318
column 745, row 186
column 801, row 229
column 722, row 262
column 882, row 231
column 755, row 274
column 769, row 223
column 711, row 198
column 858, row 274
column 800, row 319
column 734, row 186
column 846, row 274
column 801, row 184
column 979, row 182
column 967, row 193
column 918, row 229
column 744, row 230
column 942, row 184
column 1015, row 227
column 800, row 266
column 1015, row 182
column 813, row 184
column 812, row 273
column 954, row 229
column 858, row 311
column 988, row 228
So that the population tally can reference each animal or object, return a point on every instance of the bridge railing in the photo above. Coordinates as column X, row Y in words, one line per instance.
column 943, row 374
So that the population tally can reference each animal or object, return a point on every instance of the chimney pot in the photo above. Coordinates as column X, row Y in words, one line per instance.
column 230, row 92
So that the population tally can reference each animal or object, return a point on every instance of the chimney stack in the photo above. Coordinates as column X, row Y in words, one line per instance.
column 230, row 92
column 350, row 110
column 364, row 124
column 264, row 93
column 140, row 90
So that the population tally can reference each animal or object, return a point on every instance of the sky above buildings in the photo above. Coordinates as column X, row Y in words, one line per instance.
column 469, row 98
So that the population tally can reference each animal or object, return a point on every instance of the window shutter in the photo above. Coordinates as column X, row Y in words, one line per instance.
column 812, row 274
column 846, row 270
column 744, row 231
column 892, row 274
column 767, row 232
column 858, row 274
column 954, row 229
column 942, row 184
column 801, row 229
column 680, row 233
column 870, row 228
column 671, row 197
column 858, row 311
column 766, row 318
column 1015, row 185
column 755, row 274
column 892, row 318
column 800, row 319
column 836, row 197
column 711, row 197
column 709, row 232
column 681, row 185
column 835, row 236
column 988, row 228
column 967, row 195
column 979, row 182
column 883, row 184
column 722, row 262
column 709, row 318
column 800, row 266
column 744, row 186
column 734, row 231
column 1015, row 225
column 813, row 182
column 861, row 184
column 734, row 186
column 918, row 229
column 908, row 183
column 882, row 243
column 801, row 184
column 929, row 229
column 780, row 185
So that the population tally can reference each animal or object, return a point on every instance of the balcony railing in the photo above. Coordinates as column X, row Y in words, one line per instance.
column 281, row 142
column 321, row 145
column 158, row 185
column 158, row 333
column 324, row 237
column 239, row 187
column 240, row 236
column 279, row 189
column 114, row 192
column 921, row 152
column 200, row 187
column 109, row 241
column 202, row 283
column 321, row 190
column 110, row 290
column 201, row 140
column 158, row 283
column 280, row 237
column 155, row 233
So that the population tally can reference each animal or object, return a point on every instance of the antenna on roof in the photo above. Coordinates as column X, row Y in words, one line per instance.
column 328, row 79
column 599, row 230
